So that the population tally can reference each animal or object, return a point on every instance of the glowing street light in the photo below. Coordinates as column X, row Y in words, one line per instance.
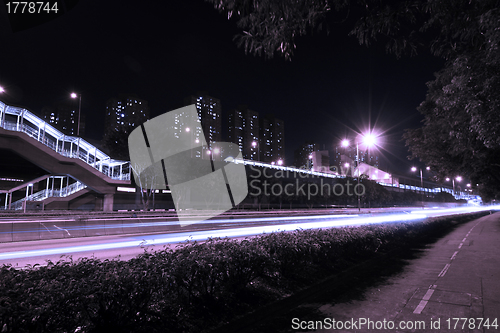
column 427, row 168
column 2, row 89
column 255, row 144
column 79, row 96
column 345, row 143
column 216, row 150
column 458, row 178
column 370, row 140
column 187, row 129
column 280, row 162
column 309, row 162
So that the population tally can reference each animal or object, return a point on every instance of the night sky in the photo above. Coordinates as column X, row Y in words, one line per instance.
column 166, row 50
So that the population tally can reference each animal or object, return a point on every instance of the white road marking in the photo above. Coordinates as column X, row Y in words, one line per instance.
column 420, row 307
column 445, row 269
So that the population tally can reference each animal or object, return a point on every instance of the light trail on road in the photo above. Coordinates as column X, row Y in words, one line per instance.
column 147, row 240
column 304, row 222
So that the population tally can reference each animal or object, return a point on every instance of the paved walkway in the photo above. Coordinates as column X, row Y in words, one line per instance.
column 456, row 277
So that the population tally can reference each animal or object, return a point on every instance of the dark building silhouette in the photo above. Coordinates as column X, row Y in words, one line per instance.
column 210, row 113
column 243, row 130
column 126, row 110
column 303, row 156
column 272, row 140
column 64, row 116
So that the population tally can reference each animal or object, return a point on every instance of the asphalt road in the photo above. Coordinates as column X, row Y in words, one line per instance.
column 126, row 246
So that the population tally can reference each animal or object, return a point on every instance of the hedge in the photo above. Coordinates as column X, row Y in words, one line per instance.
column 197, row 286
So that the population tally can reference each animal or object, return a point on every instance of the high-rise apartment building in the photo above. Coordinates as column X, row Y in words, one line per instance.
column 125, row 111
column 64, row 116
column 243, row 130
column 272, row 140
column 303, row 156
column 210, row 113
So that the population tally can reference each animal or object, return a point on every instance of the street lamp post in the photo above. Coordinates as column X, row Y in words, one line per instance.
column 255, row 144
column 459, row 179
column 453, row 181
column 369, row 140
column 359, row 173
column 75, row 95
column 421, row 183
column 2, row 124
column 345, row 144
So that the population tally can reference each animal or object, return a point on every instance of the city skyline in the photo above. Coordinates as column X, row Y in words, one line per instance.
column 331, row 89
column 121, row 109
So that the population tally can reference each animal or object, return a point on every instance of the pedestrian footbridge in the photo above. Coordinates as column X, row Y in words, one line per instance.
column 73, row 165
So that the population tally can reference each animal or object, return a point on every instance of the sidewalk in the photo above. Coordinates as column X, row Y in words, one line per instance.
column 456, row 277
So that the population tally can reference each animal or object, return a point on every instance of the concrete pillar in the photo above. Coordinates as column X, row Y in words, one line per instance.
column 108, row 202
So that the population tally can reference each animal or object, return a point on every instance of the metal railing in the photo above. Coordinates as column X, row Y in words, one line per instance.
column 48, row 193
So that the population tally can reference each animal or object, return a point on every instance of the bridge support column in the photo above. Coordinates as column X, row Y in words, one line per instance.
column 108, row 202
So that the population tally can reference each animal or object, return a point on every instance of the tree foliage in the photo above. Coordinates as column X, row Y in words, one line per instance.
column 271, row 26
column 460, row 132
column 446, row 28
